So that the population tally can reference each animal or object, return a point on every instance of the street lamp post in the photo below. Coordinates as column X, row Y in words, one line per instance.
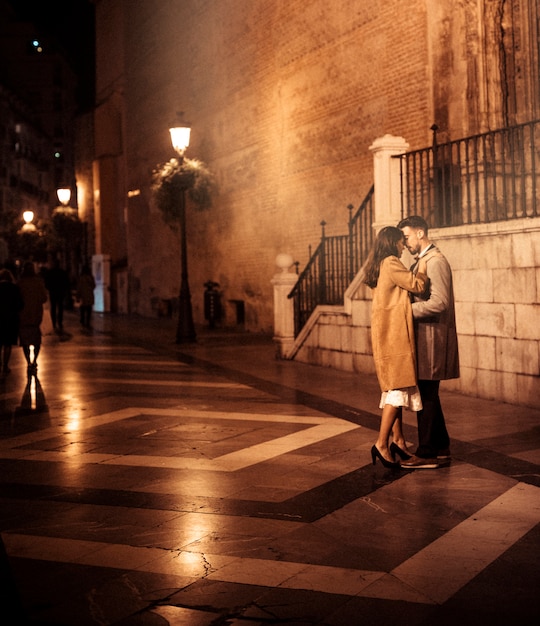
column 185, row 332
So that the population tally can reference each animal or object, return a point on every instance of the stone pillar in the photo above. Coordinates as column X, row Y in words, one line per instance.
column 283, row 306
column 101, row 269
column 386, row 179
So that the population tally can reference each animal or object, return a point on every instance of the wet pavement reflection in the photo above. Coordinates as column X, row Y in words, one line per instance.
column 147, row 483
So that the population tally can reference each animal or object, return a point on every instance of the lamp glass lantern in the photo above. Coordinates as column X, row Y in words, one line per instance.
column 64, row 195
column 28, row 226
column 180, row 137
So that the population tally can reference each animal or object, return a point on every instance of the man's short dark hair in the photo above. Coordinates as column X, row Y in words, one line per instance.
column 414, row 221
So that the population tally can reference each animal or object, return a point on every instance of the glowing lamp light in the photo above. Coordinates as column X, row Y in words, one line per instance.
column 180, row 138
column 28, row 217
column 64, row 195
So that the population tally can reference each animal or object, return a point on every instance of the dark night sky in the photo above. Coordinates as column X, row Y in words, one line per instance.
column 70, row 22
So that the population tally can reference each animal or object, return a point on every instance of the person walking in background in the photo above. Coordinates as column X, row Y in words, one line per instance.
column 57, row 283
column 10, row 305
column 392, row 339
column 436, row 343
column 85, row 293
column 34, row 295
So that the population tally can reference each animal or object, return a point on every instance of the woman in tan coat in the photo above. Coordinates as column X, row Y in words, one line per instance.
column 392, row 337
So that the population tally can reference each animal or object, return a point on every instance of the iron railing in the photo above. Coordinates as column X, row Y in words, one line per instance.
column 334, row 264
column 489, row 177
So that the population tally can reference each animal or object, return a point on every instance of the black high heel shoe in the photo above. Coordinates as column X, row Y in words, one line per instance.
column 395, row 449
column 375, row 453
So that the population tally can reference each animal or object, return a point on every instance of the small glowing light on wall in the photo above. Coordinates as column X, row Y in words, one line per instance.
column 180, row 138
column 64, row 195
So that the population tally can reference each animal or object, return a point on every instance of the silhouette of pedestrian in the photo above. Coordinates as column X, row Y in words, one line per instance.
column 34, row 295
column 57, row 283
column 10, row 305
column 85, row 293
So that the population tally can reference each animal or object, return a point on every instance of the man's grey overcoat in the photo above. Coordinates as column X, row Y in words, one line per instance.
column 435, row 322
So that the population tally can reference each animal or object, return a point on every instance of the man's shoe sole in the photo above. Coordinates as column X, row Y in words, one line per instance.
column 416, row 464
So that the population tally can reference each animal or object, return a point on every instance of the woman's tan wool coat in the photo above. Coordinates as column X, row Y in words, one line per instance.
column 392, row 333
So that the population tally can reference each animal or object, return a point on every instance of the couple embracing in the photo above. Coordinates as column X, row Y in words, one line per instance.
column 414, row 342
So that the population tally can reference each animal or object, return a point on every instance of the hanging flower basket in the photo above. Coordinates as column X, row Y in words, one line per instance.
column 175, row 177
column 66, row 223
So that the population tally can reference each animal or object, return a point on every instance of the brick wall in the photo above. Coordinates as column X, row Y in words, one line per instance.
column 285, row 99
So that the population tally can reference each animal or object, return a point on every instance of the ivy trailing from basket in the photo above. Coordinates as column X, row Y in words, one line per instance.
column 178, row 176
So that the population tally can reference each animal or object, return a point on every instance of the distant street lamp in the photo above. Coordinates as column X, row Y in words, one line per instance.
column 64, row 195
column 185, row 332
column 28, row 226
column 30, row 243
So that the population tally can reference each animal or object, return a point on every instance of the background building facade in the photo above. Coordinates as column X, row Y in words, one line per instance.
column 285, row 100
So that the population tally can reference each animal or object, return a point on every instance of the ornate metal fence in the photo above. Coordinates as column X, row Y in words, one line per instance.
column 334, row 264
column 489, row 177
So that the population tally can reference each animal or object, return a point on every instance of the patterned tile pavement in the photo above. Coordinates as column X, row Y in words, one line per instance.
column 148, row 483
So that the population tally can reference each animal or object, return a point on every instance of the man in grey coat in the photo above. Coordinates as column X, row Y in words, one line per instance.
column 436, row 344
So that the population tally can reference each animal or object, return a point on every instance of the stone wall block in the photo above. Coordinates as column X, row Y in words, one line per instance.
column 515, row 284
column 517, row 356
column 361, row 340
column 494, row 319
column 458, row 251
column 343, row 361
column 487, row 384
column 525, row 250
column 465, row 318
column 477, row 352
column 363, row 363
column 491, row 252
column 345, row 343
column 528, row 321
column 467, row 381
column 473, row 285
column 361, row 312
column 527, row 391
column 507, row 386
column 329, row 338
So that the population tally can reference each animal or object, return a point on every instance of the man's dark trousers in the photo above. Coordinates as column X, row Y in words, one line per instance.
column 432, row 434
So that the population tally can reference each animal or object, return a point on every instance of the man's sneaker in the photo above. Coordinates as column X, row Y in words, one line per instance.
column 415, row 462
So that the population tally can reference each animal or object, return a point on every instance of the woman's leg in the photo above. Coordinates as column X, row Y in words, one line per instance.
column 26, row 352
column 397, row 433
column 37, row 348
column 389, row 415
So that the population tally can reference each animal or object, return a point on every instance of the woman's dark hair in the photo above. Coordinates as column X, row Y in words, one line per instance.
column 385, row 245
